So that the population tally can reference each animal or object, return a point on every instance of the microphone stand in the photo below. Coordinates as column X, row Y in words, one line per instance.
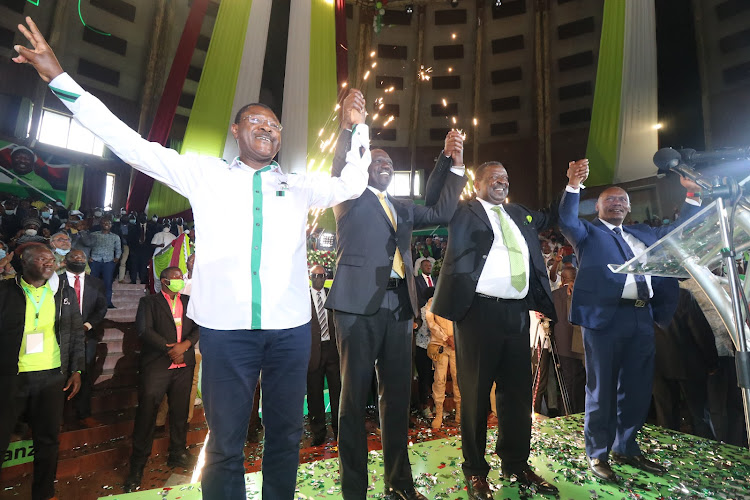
column 729, row 190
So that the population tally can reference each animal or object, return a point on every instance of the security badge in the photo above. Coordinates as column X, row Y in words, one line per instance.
column 35, row 343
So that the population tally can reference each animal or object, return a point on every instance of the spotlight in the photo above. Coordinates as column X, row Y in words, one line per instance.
column 454, row 3
column 409, row 8
column 498, row 3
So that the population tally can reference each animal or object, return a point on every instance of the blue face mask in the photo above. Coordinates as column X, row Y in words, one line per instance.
column 2, row 254
column 61, row 251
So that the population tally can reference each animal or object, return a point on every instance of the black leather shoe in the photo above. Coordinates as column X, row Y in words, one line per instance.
column 403, row 494
column 478, row 488
column 184, row 460
column 602, row 470
column 529, row 478
column 640, row 462
column 133, row 481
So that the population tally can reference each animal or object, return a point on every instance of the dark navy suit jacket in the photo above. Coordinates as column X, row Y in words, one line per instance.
column 598, row 290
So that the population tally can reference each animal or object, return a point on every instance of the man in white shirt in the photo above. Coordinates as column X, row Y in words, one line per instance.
column 244, row 332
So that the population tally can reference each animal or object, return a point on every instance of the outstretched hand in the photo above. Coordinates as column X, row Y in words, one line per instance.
column 454, row 147
column 353, row 109
column 42, row 57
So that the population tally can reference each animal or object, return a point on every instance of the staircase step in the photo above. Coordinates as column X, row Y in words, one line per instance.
column 114, row 399
column 112, row 379
column 112, row 334
column 122, row 314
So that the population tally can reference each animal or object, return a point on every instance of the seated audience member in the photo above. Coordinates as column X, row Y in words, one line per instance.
column 41, row 358
column 166, row 367
column 92, row 304
column 30, row 232
column 441, row 336
column 685, row 355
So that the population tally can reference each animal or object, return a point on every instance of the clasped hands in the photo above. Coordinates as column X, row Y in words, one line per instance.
column 177, row 351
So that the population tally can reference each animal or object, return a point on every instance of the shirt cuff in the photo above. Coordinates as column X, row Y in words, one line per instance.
column 571, row 189
column 66, row 89
column 88, row 326
column 459, row 171
column 693, row 202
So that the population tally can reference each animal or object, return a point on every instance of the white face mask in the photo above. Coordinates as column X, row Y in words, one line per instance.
column 97, row 214
column 10, row 212
column 166, row 229
column 30, row 232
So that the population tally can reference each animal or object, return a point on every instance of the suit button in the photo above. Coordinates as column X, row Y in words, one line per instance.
column 484, row 256
column 390, row 258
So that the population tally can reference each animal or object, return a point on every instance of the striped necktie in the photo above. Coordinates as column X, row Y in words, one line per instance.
column 398, row 261
column 322, row 320
column 517, row 265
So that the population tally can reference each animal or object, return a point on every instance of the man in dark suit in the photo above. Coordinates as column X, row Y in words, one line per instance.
column 685, row 355
column 374, row 300
column 139, row 240
column 424, row 281
column 92, row 303
column 324, row 362
column 168, row 338
column 617, row 313
column 493, row 273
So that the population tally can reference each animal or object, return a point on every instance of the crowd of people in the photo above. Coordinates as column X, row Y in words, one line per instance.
column 258, row 318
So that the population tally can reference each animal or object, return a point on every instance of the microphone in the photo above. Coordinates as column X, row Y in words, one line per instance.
column 671, row 160
column 727, row 154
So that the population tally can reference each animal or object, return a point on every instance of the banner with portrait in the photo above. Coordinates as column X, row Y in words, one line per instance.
column 25, row 173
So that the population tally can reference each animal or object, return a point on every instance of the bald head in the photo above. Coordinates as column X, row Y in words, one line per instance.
column 613, row 205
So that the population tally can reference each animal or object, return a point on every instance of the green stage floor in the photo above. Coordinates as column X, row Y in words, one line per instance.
column 698, row 468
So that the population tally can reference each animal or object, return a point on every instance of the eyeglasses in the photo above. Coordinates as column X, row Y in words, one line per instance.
column 317, row 275
column 258, row 120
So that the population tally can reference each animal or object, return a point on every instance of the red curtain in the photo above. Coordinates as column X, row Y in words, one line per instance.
column 140, row 190
column 342, row 49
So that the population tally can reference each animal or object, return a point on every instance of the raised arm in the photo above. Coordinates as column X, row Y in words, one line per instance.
column 570, row 225
column 163, row 164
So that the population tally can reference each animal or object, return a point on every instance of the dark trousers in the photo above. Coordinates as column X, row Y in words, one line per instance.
column 492, row 346
column 139, row 259
column 82, row 400
column 39, row 396
column 154, row 381
column 541, row 363
column 424, row 374
column 316, row 410
column 232, row 362
column 574, row 377
column 725, row 401
column 382, row 340
column 668, row 394
column 105, row 271
column 619, row 377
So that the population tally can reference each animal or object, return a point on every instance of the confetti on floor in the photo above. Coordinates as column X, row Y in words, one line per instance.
column 698, row 468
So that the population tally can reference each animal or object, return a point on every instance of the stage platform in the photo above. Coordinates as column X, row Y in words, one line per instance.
column 698, row 468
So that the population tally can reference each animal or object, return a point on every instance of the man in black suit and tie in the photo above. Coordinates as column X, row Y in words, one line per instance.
column 374, row 301
column 493, row 273
column 92, row 303
column 424, row 280
column 168, row 338
column 324, row 362
column 141, row 250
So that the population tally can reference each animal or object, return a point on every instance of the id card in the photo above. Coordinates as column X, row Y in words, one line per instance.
column 35, row 343
column 178, row 321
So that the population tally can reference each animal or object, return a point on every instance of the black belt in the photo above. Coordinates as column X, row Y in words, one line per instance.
column 496, row 299
column 394, row 283
column 634, row 302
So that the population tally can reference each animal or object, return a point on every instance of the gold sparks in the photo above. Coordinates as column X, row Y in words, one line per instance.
column 424, row 73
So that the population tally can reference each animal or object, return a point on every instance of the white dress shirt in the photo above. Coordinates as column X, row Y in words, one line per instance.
column 163, row 238
column 495, row 278
column 430, row 282
column 314, row 294
column 638, row 248
column 72, row 283
column 260, row 280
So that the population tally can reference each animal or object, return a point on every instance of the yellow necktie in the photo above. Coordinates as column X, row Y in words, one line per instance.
column 398, row 262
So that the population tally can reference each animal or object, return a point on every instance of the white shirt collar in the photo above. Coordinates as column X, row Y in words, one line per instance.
column 377, row 191
column 237, row 163
column 610, row 226
column 73, row 275
column 489, row 206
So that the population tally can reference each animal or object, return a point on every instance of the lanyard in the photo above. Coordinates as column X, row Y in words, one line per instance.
column 37, row 305
column 172, row 303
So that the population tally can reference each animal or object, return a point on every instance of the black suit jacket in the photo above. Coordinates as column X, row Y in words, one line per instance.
column 156, row 328
column 366, row 239
column 421, row 285
column 94, row 306
column 469, row 242
column 315, row 333
column 134, row 236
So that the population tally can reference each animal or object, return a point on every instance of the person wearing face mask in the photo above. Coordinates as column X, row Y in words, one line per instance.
column 141, row 251
column 49, row 221
column 168, row 338
column 30, row 232
column 93, row 306
column 6, row 270
column 163, row 237
column 122, row 229
column 105, row 254
column 61, row 246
